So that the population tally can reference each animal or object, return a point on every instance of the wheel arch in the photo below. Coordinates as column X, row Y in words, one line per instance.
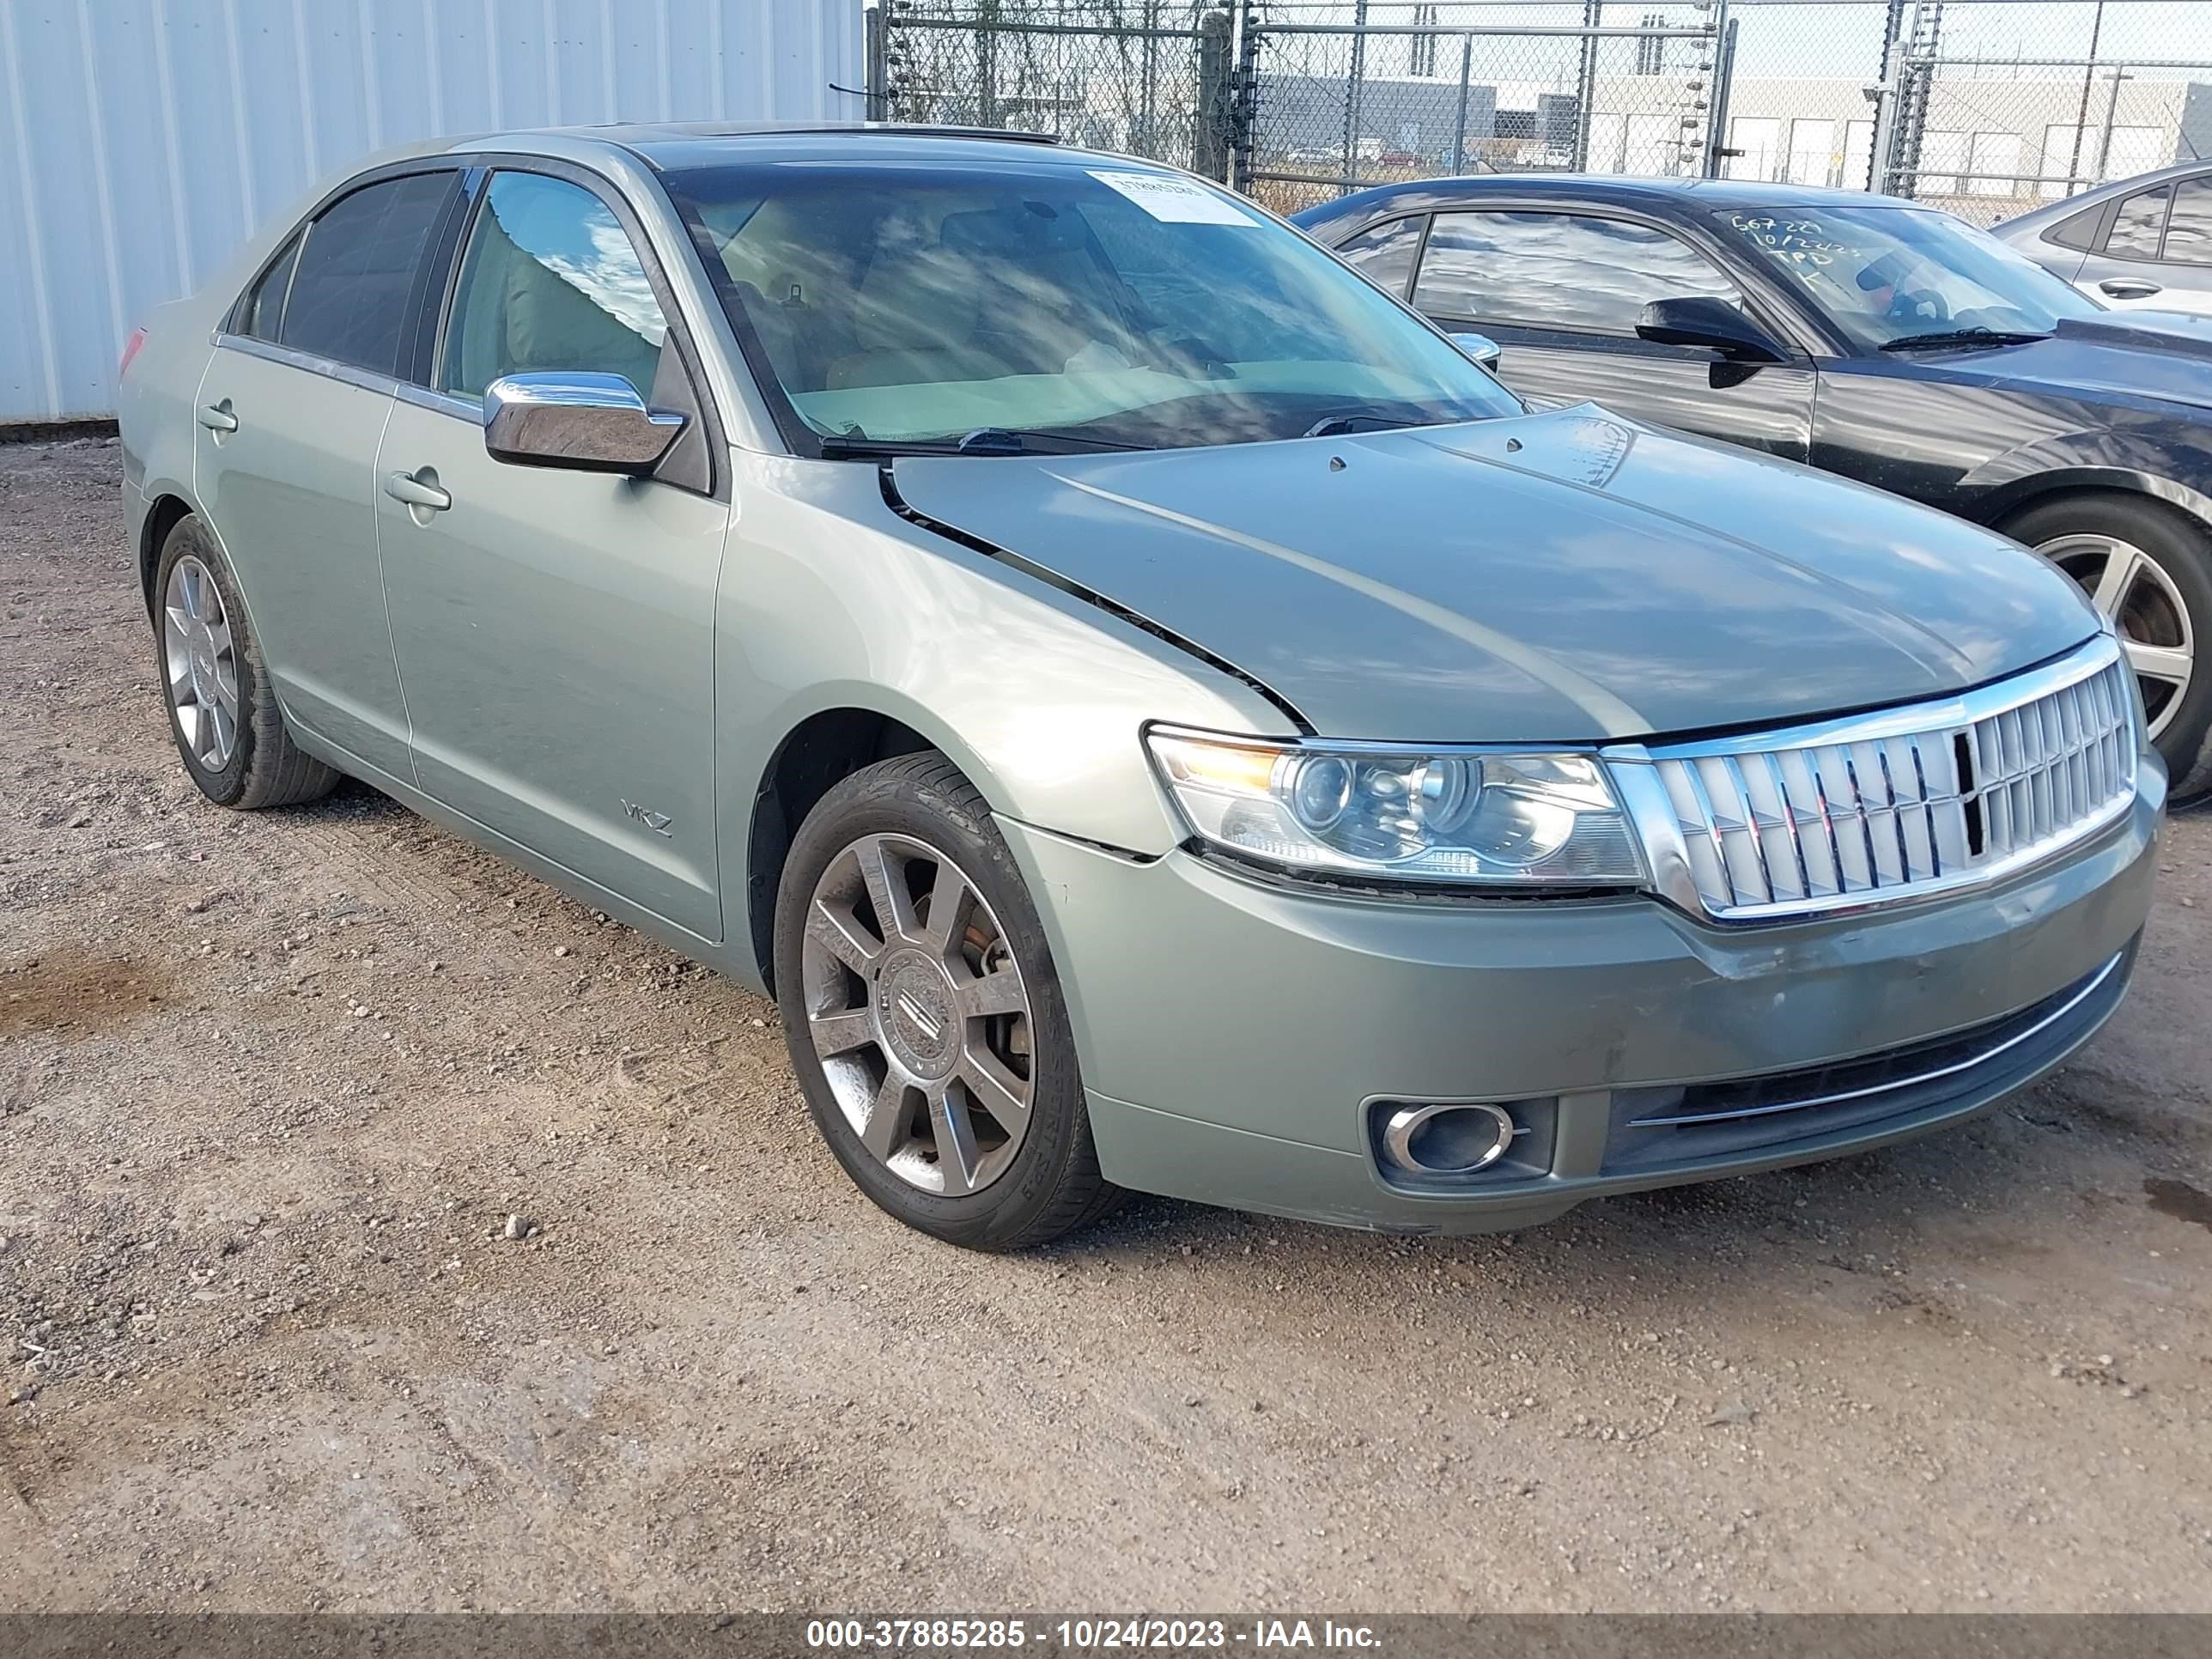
column 166, row 509
column 820, row 750
column 2006, row 500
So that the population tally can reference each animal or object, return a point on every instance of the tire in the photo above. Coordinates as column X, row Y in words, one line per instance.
column 222, row 711
column 884, row 1044
column 2168, row 604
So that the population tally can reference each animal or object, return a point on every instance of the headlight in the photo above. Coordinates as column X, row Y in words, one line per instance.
column 1405, row 814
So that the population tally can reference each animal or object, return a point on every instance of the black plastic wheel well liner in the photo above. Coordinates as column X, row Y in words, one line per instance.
column 167, row 514
column 815, row 757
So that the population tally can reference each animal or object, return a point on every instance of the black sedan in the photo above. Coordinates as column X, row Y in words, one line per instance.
column 1872, row 338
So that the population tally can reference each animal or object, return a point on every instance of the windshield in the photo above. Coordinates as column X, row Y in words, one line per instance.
column 1887, row 273
column 1097, row 307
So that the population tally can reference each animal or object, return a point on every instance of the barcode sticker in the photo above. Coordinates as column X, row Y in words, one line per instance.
column 1174, row 201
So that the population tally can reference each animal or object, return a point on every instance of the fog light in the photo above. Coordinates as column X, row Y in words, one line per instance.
column 1447, row 1138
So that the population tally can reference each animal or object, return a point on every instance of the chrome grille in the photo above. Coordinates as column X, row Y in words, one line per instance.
column 1894, row 804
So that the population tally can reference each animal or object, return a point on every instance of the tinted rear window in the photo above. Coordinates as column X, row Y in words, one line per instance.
column 349, row 296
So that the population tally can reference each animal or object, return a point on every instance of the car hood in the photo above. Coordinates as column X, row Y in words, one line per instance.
column 2164, row 356
column 1569, row 576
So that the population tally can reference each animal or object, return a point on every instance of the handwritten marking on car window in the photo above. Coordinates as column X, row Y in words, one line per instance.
column 1800, row 241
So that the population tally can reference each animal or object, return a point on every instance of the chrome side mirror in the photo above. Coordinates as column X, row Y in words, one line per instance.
column 1485, row 351
column 589, row 422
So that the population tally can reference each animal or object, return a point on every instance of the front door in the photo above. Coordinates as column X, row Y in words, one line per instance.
column 1560, row 293
column 555, row 628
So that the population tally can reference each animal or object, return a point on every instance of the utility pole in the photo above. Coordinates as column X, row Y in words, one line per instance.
column 987, row 62
column 2112, row 114
column 2081, row 121
column 1351, row 93
column 1586, row 83
column 1459, row 132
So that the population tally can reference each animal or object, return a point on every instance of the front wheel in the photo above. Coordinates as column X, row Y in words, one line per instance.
column 2149, row 571
column 924, row 1017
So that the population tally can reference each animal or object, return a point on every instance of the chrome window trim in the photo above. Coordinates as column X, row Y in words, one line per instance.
column 1636, row 779
column 443, row 403
column 367, row 379
column 291, row 357
column 1981, row 1057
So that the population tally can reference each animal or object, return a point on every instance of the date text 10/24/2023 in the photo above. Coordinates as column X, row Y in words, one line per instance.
column 1258, row 1635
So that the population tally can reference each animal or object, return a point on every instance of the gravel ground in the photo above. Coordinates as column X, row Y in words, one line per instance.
column 271, row 1087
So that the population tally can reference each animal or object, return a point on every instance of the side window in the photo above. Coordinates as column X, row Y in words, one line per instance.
column 356, row 271
column 261, row 312
column 1557, row 270
column 1384, row 254
column 2189, row 232
column 2138, row 225
column 2078, row 231
column 550, row 283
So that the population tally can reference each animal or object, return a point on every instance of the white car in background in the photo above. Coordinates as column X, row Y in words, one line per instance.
column 2143, row 243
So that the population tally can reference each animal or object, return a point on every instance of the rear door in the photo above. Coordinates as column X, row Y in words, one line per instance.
column 2154, row 252
column 555, row 628
column 291, row 409
column 1560, row 293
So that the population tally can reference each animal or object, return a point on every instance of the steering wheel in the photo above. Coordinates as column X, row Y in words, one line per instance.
column 1921, row 304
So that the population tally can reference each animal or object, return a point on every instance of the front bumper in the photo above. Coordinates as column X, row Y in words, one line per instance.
column 1236, row 1036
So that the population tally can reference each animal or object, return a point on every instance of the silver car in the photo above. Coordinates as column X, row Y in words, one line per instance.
column 2139, row 244
column 1153, row 712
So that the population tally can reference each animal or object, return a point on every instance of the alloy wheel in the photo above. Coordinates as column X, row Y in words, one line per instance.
column 2134, row 590
column 919, row 1013
column 202, row 662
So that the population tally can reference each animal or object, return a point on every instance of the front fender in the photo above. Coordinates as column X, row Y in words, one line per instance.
column 828, row 601
column 2004, row 483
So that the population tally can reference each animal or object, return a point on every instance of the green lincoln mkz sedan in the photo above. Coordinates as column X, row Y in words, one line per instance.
column 1154, row 713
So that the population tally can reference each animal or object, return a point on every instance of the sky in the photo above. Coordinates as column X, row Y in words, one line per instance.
column 1833, row 40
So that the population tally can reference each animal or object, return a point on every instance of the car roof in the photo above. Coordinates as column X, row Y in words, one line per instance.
column 1677, row 195
column 2065, row 207
column 673, row 146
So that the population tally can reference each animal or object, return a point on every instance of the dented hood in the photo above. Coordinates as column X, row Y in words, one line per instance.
column 1571, row 576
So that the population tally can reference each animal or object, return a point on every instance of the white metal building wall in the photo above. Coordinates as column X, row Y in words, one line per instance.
column 141, row 140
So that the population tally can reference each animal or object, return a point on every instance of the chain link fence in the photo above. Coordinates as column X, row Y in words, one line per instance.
column 1350, row 95
column 1985, row 107
column 1144, row 78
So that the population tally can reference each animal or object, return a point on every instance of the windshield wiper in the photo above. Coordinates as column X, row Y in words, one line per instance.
column 1015, row 441
column 1336, row 426
column 856, row 445
column 1963, row 337
column 1367, row 420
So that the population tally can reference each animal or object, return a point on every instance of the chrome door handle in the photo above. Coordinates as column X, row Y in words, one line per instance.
column 217, row 417
column 406, row 486
column 2128, row 287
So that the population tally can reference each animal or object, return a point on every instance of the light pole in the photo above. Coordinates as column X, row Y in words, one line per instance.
column 2081, row 121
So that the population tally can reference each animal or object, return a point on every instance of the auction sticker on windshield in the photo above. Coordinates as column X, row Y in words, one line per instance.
column 1174, row 201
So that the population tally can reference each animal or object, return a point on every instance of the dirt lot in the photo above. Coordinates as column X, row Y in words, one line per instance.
column 271, row 1087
